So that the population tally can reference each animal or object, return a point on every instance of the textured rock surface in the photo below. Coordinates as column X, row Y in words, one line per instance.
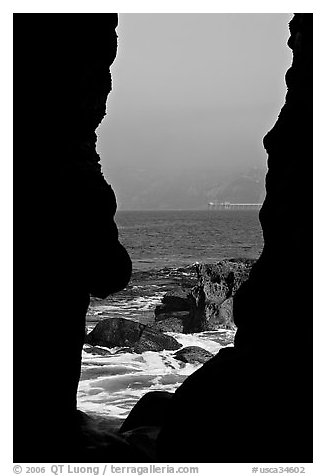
column 193, row 355
column 161, row 317
column 119, row 332
column 155, row 341
column 115, row 332
column 266, row 379
column 174, row 322
column 221, row 281
column 212, row 298
column 208, row 305
column 173, row 301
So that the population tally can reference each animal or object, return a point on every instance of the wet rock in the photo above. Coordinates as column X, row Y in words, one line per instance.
column 221, row 280
column 219, row 316
column 174, row 301
column 172, row 321
column 119, row 332
column 193, row 355
column 212, row 298
column 96, row 350
column 171, row 324
column 172, row 314
column 226, row 313
column 209, row 304
column 155, row 341
column 115, row 332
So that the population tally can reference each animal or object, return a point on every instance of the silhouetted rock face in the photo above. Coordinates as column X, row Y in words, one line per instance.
column 286, row 216
column 267, row 418
column 119, row 332
column 193, row 355
column 69, row 241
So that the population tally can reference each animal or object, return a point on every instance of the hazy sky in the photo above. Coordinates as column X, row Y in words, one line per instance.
column 190, row 92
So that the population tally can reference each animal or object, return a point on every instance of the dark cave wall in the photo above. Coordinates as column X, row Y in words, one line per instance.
column 66, row 241
column 286, row 215
column 289, row 149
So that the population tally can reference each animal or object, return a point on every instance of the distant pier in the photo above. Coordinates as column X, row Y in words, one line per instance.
column 233, row 206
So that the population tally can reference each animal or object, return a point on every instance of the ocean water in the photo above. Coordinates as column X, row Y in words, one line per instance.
column 159, row 239
column 163, row 245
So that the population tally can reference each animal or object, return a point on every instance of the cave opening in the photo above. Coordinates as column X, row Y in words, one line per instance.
column 252, row 401
column 181, row 143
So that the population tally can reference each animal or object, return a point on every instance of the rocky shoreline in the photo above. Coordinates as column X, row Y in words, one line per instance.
column 188, row 309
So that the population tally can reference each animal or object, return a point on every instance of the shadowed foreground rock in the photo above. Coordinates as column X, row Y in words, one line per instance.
column 67, row 242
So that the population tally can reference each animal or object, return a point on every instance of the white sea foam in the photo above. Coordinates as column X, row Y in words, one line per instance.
column 198, row 340
column 139, row 303
column 114, row 395
column 113, row 383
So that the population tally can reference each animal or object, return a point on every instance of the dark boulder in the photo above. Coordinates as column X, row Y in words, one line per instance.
column 155, row 341
column 171, row 324
column 119, row 332
column 172, row 314
column 193, row 355
column 174, row 301
column 172, row 321
column 150, row 411
column 115, row 332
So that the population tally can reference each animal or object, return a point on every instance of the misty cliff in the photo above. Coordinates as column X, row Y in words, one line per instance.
column 156, row 188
